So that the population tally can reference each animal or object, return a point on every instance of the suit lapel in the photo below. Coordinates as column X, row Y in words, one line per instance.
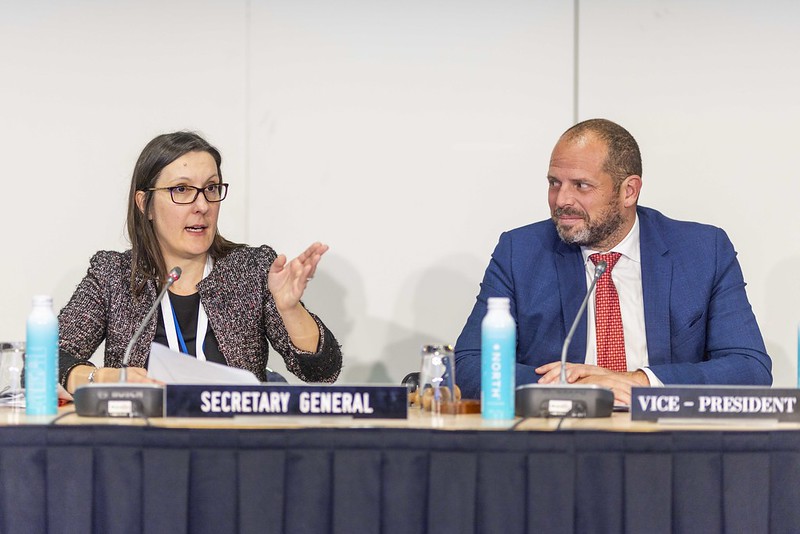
column 212, row 294
column 656, row 284
column 572, row 288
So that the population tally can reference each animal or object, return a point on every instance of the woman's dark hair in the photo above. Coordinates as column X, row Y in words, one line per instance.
column 147, row 262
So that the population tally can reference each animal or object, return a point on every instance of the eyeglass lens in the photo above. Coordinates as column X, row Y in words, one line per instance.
column 188, row 194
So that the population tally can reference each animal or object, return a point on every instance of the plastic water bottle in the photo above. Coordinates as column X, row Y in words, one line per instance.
column 498, row 358
column 41, row 358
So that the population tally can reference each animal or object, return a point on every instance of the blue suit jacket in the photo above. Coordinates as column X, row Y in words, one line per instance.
column 699, row 324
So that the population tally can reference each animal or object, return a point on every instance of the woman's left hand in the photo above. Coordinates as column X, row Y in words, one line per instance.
column 288, row 281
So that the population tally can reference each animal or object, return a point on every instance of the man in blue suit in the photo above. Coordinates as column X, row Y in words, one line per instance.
column 685, row 314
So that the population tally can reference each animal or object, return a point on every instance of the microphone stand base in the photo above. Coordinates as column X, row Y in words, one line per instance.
column 119, row 400
column 562, row 400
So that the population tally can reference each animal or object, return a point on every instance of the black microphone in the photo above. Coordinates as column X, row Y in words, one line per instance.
column 563, row 399
column 122, row 399
column 172, row 277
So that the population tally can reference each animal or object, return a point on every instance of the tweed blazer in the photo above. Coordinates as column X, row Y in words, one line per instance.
column 240, row 310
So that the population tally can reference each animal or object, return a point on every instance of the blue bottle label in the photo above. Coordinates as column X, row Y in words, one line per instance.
column 41, row 369
column 498, row 349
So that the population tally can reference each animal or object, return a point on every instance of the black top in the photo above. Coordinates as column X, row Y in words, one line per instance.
column 186, row 309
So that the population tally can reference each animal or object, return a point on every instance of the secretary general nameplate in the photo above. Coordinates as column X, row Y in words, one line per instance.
column 379, row 402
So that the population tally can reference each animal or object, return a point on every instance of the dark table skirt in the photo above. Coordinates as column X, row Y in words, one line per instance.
column 113, row 479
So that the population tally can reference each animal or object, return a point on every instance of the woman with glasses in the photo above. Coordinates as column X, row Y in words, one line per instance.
column 229, row 301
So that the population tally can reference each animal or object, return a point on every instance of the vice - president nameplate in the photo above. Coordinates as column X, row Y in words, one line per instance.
column 714, row 402
column 381, row 402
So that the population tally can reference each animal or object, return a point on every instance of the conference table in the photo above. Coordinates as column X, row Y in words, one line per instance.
column 452, row 473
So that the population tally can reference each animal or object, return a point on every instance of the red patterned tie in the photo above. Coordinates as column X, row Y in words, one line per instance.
column 608, row 319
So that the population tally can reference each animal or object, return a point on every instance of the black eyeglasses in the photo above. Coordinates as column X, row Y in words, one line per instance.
column 187, row 194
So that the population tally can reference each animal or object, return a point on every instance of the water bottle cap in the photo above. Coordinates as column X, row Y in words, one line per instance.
column 42, row 300
column 499, row 303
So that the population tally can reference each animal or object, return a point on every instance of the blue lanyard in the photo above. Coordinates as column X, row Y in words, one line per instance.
column 180, row 334
column 173, row 329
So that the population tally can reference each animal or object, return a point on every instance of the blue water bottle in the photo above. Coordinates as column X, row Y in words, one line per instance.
column 41, row 358
column 498, row 357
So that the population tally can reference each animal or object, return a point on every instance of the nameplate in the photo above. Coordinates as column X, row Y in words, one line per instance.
column 380, row 402
column 714, row 402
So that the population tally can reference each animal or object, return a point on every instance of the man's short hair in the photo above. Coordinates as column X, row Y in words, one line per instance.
column 623, row 158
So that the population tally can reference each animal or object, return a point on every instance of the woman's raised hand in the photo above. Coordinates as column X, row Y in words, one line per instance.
column 288, row 280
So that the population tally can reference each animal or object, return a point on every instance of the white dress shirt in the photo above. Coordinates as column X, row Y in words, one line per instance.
column 627, row 277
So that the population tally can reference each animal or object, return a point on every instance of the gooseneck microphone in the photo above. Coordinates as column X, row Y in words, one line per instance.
column 123, row 399
column 563, row 399
column 172, row 277
column 599, row 269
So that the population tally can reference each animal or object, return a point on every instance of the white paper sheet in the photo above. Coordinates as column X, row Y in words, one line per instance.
column 173, row 367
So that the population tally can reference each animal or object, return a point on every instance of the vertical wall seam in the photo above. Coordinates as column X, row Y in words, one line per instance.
column 575, row 60
column 247, row 103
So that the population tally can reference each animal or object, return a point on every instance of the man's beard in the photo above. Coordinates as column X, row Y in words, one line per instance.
column 594, row 232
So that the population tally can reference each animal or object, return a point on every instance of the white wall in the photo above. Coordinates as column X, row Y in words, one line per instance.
column 407, row 135
column 710, row 90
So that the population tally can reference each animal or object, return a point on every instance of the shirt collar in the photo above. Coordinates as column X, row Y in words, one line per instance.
column 628, row 247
